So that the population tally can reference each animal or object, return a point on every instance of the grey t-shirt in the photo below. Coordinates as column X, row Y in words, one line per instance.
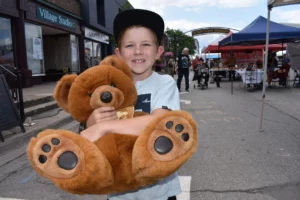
column 153, row 93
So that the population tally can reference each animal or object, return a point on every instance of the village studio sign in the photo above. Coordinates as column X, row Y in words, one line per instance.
column 55, row 18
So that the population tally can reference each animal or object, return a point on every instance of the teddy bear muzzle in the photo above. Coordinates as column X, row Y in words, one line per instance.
column 106, row 96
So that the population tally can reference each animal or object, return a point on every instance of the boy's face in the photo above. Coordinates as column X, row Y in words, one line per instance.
column 139, row 49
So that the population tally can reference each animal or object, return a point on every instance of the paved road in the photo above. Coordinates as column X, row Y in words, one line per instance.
column 234, row 160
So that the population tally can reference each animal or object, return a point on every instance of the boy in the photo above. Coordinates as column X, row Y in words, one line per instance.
column 138, row 34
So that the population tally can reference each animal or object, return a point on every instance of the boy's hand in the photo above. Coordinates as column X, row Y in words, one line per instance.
column 101, row 114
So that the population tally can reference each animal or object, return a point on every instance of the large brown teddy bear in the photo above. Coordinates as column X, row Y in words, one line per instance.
column 115, row 162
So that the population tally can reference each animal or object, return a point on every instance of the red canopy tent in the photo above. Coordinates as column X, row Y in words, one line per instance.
column 215, row 48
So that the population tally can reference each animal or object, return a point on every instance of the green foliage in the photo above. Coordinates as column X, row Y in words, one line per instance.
column 126, row 6
column 178, row 37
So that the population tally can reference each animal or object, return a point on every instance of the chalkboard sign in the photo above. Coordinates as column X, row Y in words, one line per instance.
column 9, row 115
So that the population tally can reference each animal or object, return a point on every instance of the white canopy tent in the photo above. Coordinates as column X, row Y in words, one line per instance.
column 271, row 4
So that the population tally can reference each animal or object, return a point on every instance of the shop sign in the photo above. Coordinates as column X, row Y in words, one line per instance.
column 204, row 31
column 94, row 35
column 55, row 18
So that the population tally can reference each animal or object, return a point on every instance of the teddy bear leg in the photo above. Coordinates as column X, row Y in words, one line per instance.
column 72, row 162
column 164, row 145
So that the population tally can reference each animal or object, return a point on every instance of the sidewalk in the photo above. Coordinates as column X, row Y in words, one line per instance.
column 38, row 91
column 14, row 138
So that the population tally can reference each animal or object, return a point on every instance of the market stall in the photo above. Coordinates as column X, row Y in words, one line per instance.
column 257, row 33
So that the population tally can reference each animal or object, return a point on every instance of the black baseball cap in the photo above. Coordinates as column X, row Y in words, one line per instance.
column 139, row 17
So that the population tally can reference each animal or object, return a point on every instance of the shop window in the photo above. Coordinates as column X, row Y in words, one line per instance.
column 6, row 44
column 34, row 49
column 100, row 12
column 93, row 53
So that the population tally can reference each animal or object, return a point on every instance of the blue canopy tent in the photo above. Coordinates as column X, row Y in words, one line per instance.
column 255, row 33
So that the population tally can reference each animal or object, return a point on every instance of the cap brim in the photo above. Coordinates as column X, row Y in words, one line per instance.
column 139, row 17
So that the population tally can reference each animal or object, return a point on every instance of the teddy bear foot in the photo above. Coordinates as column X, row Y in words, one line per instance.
column 166, row 143
column 70, row 161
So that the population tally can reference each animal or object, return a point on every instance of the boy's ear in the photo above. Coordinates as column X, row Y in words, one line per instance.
column 160, row 50
column 118, row 53
column 117, row 62
column 61, row 91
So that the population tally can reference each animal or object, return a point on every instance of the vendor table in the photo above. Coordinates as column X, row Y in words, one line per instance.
column 251, row 77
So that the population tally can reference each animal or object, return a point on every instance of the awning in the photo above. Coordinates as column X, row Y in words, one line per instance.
column 275, row 3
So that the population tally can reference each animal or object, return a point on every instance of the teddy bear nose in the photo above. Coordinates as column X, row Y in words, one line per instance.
column 106, row 97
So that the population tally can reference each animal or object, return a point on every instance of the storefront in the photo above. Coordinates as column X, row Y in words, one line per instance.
column 95, row 45
column 52, row 43
column 43, row 39
column 46, row 39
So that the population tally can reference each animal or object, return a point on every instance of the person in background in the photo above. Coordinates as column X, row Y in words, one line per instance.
column 272, row 64
column 232, row 62
column 212, row 63
column 195, row 62
column 171, row 67
column 184, row 64
column 201, row 66
column 283, row 72
column 87, row 58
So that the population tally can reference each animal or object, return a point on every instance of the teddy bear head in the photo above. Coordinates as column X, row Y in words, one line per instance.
column 108, row 84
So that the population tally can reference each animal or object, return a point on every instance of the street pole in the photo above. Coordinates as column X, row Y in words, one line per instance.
column 175, row 46
column 265, row 71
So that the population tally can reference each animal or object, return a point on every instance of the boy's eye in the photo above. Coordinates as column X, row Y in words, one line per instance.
column 147, row 44
column 129, row 45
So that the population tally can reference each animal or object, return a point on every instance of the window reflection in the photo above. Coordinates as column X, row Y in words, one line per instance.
column 92, row 53
column 6, row 44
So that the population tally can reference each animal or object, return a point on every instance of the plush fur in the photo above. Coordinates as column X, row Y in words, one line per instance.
column 114, row 163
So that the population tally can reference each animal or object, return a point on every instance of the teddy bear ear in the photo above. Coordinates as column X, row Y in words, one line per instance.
column 117, row 62
column 61, row 91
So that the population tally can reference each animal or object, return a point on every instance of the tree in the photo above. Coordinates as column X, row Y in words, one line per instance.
column 126, row 6
column 179, row 40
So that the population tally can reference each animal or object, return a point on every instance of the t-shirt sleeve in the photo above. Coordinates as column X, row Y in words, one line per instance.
column 167, row 95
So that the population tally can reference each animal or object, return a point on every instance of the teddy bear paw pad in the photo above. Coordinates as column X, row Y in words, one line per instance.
column 165, row 145
column 170, row 139
column 58, row 156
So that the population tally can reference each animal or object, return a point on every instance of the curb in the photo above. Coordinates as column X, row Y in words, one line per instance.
column 34, row 102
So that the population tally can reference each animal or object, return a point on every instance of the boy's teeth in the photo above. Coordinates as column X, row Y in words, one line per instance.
column 138, row 61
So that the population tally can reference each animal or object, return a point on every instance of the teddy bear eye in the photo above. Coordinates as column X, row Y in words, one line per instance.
column 90, row 94
column 113, row 85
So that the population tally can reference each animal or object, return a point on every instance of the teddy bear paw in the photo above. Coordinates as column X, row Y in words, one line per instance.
column 69, row 160
column 58, row 156
column 166, row 144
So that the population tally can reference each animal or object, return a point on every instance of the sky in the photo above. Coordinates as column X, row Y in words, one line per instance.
column 192, row 14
